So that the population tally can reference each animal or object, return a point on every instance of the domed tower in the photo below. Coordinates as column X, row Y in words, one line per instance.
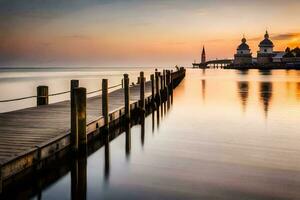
column 243, row 55
column 265, row 53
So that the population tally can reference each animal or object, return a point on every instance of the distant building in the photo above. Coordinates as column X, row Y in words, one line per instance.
column 278, row 56
column 243, row 55
column 203, row 56
column 265, row 54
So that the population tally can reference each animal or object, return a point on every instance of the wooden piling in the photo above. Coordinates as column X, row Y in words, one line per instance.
column 152, row 89
column 142, row 92
column 171, row 86
column 80, row 98
column 127, row 96
column 74, row 137
column 105, row 102
column 157, row 95
column 42, row 95
column 168, row 87
column 162, row 87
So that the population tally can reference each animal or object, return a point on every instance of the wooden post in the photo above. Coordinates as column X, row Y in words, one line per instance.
column 138, row 80
column 165, row 84
column 171, row 86
column 42, row 95
column 152, row 89
column 157, row 88
column 122, row 82
column 74, row 136
column 127, row 97
column 105, row 102
column 80, row 98
column 164, row 81
column 168, row 87
column 142, row 91
column 161, row 87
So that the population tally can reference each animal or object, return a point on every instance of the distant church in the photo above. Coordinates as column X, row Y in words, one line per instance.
column 243, row 55
column 266, row 55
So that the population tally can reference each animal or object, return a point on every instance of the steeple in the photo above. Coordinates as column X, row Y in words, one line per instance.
column 267, row 35
column 203, row 56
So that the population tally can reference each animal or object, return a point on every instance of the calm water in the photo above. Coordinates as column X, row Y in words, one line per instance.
column 23, row 82
column 228, row 135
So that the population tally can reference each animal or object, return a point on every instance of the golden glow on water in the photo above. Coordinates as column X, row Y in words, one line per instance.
column 258, row 109
column 228, row 135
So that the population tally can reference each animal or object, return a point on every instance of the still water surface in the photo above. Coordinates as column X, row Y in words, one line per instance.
column 18, row 83
column 228, row 135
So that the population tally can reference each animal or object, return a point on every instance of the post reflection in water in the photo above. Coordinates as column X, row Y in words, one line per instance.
column 265, row 90
column 79, row 178
column 143, row 131
column 265, row 72
column 298, row 91
column 243, row 90
column 106, row 157
column 162, row 110
column 157, row 115
column 153, row 120
column 203, row 85
column 127, row 139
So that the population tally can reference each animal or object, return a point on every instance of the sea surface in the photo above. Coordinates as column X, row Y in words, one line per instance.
column 22, row 82
column 229, row 134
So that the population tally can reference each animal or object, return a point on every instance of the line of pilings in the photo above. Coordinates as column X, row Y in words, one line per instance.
column 162, row 85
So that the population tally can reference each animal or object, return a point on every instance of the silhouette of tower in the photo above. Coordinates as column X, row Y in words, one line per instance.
column 203, row 56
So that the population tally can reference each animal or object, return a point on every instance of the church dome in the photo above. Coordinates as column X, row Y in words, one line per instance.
column 266, row 42
column 243, row 46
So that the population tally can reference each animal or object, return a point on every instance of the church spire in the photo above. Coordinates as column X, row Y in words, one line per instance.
column 203, row 56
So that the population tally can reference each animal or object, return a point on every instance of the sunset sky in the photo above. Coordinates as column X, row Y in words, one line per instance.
column 138, row 32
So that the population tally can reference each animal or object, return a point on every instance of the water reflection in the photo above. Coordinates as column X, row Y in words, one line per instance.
column 298, row 91
column 243, row 90
column 127, row 139
column 265, row 72
column 243, row 71
column 143, row 131
column 211, row 138
column 79, row 178
column 203, row 84
column 106, row 157
column 265, row 90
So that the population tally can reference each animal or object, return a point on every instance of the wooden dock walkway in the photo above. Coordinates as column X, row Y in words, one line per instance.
column 31, row 135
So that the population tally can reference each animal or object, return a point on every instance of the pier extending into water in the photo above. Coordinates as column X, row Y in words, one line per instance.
column 30, row 137
column 222, row 63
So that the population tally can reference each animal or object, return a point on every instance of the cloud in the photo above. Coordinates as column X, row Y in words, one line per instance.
column 77, row 37
column 285, row 36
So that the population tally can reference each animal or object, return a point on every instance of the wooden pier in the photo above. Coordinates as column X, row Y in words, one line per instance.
column 31, row 136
